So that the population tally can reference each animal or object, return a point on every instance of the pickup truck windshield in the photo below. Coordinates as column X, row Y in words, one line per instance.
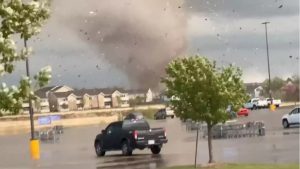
column 135, row 125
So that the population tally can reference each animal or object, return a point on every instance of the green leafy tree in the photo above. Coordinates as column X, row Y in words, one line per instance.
column 276, row 85
column 21, row 19
column 202, row 92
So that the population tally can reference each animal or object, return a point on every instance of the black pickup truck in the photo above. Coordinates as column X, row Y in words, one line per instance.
column 128, row 135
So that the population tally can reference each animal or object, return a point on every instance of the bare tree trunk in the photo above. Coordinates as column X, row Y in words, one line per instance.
column 209, row 139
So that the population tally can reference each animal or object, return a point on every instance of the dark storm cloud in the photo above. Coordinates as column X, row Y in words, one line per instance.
column 245, row 8
column 137, row 37
column 228, row 31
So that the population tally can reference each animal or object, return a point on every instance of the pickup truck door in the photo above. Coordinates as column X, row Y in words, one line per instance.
column 108, row 137
column 117, row 136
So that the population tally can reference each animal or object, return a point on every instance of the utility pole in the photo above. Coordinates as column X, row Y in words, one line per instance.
column 267, row 44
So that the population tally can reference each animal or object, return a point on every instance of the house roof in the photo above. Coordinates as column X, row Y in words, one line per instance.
column 82, row 92
column 63, row 94
column 41, row 93
column 97, row 91
column 78, row 92
column 137, row 91
column 112, row 90
column 56, row 88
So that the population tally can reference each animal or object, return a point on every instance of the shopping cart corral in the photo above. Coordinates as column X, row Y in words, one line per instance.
column 49, row 134
column 230, row 129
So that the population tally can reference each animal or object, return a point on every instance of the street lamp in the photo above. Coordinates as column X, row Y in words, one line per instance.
column 266, row 28
column 29, row 99
column 34, row 143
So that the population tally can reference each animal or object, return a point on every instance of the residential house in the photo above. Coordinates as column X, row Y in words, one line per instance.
column 119, row 98
column 149, row 96
column 254, row 89
column 91, row 98
column 64, row 98
column 103, row 98
column 145, row 94
column 60, row 97
column 42, row 103
column 72, row 102
column 63, row 101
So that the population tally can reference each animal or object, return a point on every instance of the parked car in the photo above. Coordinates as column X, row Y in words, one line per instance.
column 134, row 116
column 170, row 112
column 128, row 135
column 256, row 103
column 164, row 113
column 160, row 114
column 276, row 102
column 243, row 112
column 291, row 118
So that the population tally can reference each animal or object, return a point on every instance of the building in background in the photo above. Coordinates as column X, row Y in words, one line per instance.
column 149, row 96
column 141, row 95
column 254, row 89
column 64, row 98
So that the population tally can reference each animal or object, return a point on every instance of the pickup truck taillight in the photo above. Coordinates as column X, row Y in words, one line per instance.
column 135, row 134
column 165, row 132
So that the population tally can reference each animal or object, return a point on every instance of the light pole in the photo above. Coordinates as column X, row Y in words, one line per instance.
column 29, row 99
column 267, row 44
column 34, row 143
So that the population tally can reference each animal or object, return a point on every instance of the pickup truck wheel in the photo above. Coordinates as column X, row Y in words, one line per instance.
column 155, row 149
column 99, row 150
column 126, row 149
column 172, row 116
column 285, row 124
column 254, row 107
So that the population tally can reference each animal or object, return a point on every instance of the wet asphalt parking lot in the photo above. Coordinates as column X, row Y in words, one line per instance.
column 75, row 148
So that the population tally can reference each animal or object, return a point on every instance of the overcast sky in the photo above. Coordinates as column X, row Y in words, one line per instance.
column 228, row 31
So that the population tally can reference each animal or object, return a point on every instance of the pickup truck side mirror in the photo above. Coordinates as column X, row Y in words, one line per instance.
column 103, row 131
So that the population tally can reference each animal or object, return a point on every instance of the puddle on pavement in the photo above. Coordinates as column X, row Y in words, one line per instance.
column 135, row 161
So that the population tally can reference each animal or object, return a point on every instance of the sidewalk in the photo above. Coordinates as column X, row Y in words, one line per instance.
column 16, row 127
column 286, row 104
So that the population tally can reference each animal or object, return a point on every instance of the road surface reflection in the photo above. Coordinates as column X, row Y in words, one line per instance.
column 146, row 161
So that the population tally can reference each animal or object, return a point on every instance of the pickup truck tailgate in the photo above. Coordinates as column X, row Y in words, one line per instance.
column 154, row 136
